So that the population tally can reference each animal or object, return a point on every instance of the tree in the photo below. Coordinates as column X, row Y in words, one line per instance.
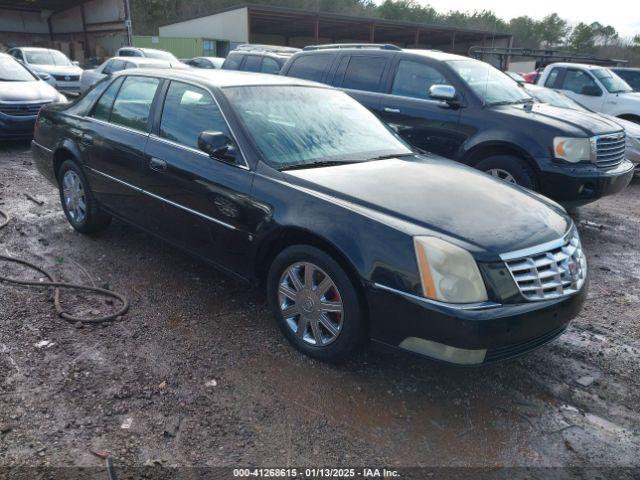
column 605, row 35
column 583, row 38
column 553, row 30
column 526, row 32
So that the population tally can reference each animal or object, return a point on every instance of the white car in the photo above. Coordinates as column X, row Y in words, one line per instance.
column 148, row 53
column 52, row 66
column 91, row 77
column 597, row 88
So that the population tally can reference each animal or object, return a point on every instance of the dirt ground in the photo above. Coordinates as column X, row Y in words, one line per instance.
column 200, row 374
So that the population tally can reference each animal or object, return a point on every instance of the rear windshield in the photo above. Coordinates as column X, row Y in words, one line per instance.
column 12, row 71
column 47, row 57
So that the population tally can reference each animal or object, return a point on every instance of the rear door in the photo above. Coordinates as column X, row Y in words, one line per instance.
column 193, row 200
column 114, row 143
column 426, row 123
column 361, row 76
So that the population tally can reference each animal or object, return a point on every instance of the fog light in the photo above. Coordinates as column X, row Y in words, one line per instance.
column 443, row 352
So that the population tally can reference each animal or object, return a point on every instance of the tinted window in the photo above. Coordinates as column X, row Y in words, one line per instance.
column 232, row 62
column 414, row 79
column 364, row 73
column 269, row 65
column 577, row 80
column 114, row 66
column 632, row 77
column 187, row 112
column 551, row 79
column 133, row 103
column 102, row 109
column 310, row 67
column 252, row 63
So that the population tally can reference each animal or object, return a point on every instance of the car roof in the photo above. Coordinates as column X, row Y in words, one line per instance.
column 144, row 60
column 38, row 49
column 143, row 49
column 578, row 65
column 434, row 54
column 222, row 78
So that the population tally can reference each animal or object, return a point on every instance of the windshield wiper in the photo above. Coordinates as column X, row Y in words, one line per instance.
column 393, row 155
column 511, row 102
column 321, row 163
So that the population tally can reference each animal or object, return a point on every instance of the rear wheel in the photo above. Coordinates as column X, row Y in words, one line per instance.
column 315, row 303
column 77, row 200
column 510, row 169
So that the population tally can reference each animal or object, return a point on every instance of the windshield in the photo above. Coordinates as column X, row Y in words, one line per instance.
column 551, row 97
column 47, row 57
column 159, row 55
column 490, row 84
column 612, row 82
column 294, row 126
column 12, row 71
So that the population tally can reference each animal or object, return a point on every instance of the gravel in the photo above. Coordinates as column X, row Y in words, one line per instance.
column 197, row 373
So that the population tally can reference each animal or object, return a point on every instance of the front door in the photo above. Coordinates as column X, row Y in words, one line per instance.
column 583, row 88
column 429, row 124
column 195, row 201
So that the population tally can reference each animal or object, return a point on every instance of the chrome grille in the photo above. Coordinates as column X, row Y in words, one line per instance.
column 21, row 109
column 610, row 149
column 67, row 78
column 553, row 271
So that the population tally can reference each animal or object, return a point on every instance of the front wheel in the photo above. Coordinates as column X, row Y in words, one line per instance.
column 510, row 169
column 77, row 200
column 315, row 303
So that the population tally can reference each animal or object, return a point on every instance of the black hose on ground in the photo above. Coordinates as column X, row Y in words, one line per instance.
column 58, row 285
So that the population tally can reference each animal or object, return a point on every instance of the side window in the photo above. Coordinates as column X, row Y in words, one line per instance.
column 114, row 66
column 187, row 112
column 310, row 67
column 269, row 65
column 578, row 81
column 17, row 54
column 252, row 63
column 232, row 62
column 133, row 103
column 102, row 108
column 414, row 79
column 364, row 73
column 551, row 79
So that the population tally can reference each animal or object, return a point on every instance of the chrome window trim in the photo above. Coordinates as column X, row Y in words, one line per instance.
column 121, row 127
column 449, row 306
column 192, row 150
column 543, row 247
column 224, row 117
column 158, row 197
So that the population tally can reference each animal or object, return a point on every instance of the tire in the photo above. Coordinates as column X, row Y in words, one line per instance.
column 521, row 173
column 80, row 207
column 349, row 324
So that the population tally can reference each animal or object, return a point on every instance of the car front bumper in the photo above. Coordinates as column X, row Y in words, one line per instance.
column 577, row 185
column 467, row 336
column 16, row 127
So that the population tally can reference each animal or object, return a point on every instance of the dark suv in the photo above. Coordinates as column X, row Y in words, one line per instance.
column 469, row 111
column 258, row 58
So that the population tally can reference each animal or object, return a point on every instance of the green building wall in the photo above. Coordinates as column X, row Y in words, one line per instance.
column 180, row 47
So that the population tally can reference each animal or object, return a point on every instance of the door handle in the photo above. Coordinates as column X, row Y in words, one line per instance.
column 86, row 139
column 391, row 110
column 157, row 164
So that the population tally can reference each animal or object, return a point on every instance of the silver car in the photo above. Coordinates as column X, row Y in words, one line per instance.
column 52, row 66
column 116, row 64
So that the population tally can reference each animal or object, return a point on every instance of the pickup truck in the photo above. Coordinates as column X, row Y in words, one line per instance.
column 597, row 88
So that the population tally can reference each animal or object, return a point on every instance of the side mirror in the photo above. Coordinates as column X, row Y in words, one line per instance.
column 591, row 90
column 446, row 93
column 217, row 145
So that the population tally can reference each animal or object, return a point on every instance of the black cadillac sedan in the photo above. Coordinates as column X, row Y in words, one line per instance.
column 297, row 185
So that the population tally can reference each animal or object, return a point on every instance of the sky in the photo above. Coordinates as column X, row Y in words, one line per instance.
column 624, row 15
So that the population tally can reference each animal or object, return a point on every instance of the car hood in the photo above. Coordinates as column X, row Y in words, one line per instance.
column 585, row 123
column 434, row 196
column 56, row 69
column 27, row 92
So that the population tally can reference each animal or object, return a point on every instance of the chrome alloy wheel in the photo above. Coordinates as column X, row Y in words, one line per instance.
column 74, row 196
column 310, row 304
column 502, row 175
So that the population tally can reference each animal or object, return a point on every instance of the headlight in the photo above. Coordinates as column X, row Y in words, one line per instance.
column 573, row 150
column 448, row 273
